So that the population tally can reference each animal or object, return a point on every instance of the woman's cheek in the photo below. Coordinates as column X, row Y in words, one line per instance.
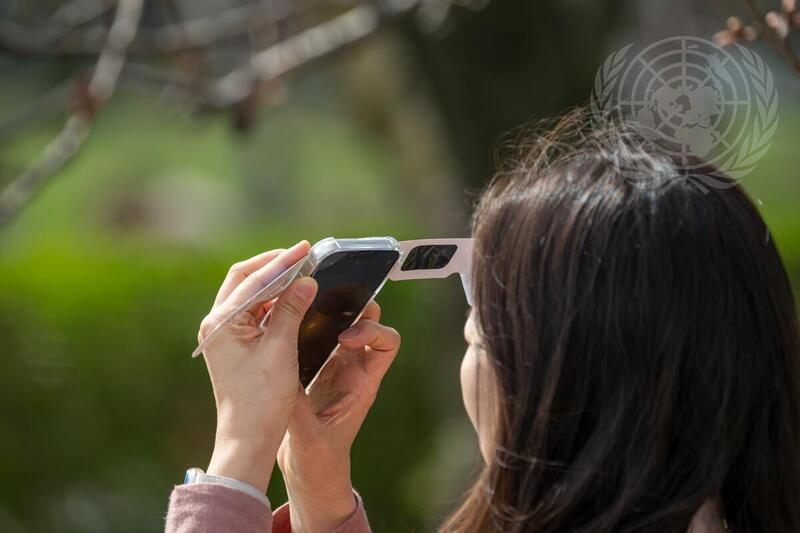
column 478, row 392
column 469, row 392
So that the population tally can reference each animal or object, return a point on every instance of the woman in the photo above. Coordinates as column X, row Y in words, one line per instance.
column 633, row 364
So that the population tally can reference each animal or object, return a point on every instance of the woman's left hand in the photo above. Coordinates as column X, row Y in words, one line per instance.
column 314, row 456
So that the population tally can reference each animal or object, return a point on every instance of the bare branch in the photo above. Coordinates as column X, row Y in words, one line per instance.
column 777, row 26
column 79, row 12
column 175, row 37
column 264, row 66
column 67, row 143
column 208, row 30
column 782, row 42
column 298, row 50
column 60, row 28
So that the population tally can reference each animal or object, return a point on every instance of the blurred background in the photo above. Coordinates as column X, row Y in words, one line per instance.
column 145, row 145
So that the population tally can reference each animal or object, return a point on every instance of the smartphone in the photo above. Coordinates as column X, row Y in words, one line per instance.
column 349, row 273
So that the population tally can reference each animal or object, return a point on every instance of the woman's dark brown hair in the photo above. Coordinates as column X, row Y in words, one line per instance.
column 643, row 336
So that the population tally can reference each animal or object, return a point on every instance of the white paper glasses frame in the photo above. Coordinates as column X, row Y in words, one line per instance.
column 459, row 252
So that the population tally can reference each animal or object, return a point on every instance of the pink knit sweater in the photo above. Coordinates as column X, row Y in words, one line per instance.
column 211, row 508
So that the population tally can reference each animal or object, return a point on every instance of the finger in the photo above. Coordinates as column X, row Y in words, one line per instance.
column 383, row 343
column 288, row 311
column 239, row 271
column 259, row 279
column 372, row 311
column 370, row 333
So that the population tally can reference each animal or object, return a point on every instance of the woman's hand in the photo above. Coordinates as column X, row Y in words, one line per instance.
column 314, row 456
column 255, row 374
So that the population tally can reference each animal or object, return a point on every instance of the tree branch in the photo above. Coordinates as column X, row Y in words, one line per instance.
column 778, row 27
column 300, row 49
column 782, row 42
column 169, row 38
column 76, row 129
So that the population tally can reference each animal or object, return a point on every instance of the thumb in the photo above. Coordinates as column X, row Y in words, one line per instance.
column 289, row 310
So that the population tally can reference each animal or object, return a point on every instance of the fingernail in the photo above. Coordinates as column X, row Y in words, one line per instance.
column 304, row 289
column 348, row 334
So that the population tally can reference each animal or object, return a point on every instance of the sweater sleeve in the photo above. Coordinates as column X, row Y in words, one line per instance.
column 212, row 508
column 209, row 507
column 355, row 523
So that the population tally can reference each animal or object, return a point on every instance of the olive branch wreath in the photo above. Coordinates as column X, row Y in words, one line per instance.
column 766, row 117
column 604, row 83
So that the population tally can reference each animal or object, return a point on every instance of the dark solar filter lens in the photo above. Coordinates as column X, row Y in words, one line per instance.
column 429, row 257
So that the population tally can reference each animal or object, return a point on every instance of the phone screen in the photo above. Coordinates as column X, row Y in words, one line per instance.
column 347, row 281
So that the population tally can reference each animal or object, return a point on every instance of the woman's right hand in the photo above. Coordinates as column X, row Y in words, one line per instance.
column 255, row 374
column 314, row 456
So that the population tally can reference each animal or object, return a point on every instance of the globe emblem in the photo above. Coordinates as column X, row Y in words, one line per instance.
column 704, row 104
